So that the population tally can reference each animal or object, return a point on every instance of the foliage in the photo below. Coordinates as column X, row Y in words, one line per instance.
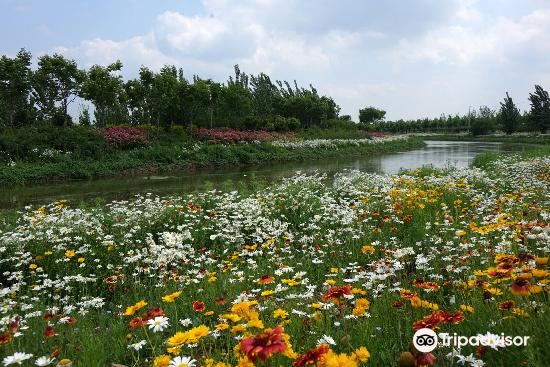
column 540, row 109
column 509, row 115
column 369, row 115
column 235, row 136
column 94, row 157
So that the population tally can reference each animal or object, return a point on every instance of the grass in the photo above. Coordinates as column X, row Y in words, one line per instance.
column 269, row 257
column 164, row 158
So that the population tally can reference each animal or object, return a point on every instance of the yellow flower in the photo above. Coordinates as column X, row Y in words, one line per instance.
column 245, row 362
column 466, row 308
column 130, row 310
column 81, row 260
column 267, row 293
column 518, row 311
column 239, row 328
column 208, row 313
column 48, row 253
column 541, row 260
column 330, row 281
column 172, row 296
column 332, row 359
column 361, row 354
column 69, row 253
column 33, row 266
column 231, row 317
column 460, row 233
column 191, row 336
column 222, row 326
column 161, row 361
column 367, row 249
column 280, row 314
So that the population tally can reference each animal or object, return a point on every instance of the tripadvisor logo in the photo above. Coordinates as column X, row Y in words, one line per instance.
column 425, row 340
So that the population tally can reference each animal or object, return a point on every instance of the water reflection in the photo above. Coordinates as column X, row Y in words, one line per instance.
column 440, row 154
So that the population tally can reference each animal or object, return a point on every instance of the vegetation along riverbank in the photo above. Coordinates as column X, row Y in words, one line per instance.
column 304, row 272
column 80, row 153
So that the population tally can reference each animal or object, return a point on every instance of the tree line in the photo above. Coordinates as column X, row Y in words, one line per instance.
column 166, row 98
column 485, row 120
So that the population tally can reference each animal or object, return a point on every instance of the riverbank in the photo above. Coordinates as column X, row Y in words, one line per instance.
column 161, row 159
column 501, row 138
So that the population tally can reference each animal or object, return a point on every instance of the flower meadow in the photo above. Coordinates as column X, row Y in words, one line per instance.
column 311, row 271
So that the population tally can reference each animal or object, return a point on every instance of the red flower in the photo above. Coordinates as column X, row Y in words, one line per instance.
column 425, row 359
column 198, row 306
column 433, row 320
column 506, row 305
column 264, row 345
column 5, row 338
column 335, row 293
column 49, row 332
column 311, row 357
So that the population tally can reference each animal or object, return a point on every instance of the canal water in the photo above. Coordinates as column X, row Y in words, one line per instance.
column 439, row 154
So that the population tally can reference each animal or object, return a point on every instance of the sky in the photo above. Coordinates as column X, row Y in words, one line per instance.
column 412, row 58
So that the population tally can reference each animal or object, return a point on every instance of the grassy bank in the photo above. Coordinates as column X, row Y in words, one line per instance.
column 484, row 160
column 334, row 272
column 158, row 158
column 516, row 138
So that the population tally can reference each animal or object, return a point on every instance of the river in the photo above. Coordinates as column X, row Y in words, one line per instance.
column 440, row 154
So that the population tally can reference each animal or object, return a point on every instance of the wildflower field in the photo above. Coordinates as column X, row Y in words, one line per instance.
column 311, row 271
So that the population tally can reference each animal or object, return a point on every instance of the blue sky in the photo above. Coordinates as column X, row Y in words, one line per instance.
column 413, row 58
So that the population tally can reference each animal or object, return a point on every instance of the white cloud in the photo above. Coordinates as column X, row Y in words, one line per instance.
column 189, row 33
column 448, row 55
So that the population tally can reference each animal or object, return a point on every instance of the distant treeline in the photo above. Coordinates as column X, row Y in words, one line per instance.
column 163, row 99
column 483, row 121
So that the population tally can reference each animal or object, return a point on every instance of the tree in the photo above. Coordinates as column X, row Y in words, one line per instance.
column 369, row 115
column 540, row 109
column 57, row 79
column 15, row 75
column 105, row 90
column 483, row 121
column 509, row 115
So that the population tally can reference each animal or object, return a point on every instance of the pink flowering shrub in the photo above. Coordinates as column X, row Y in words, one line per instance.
column 377, row 134
column 124, row 137
column 235, row 136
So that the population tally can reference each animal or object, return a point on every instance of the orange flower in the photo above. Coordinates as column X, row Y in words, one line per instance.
column 266, row 279
column 520, row 287
column 154, row 312
column 137, row 322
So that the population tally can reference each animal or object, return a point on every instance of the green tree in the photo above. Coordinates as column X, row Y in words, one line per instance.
column 57, row 80
column 509, row 115
column 540, row 109
column 106, row 91
column 15, row 77
column 369, row 115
